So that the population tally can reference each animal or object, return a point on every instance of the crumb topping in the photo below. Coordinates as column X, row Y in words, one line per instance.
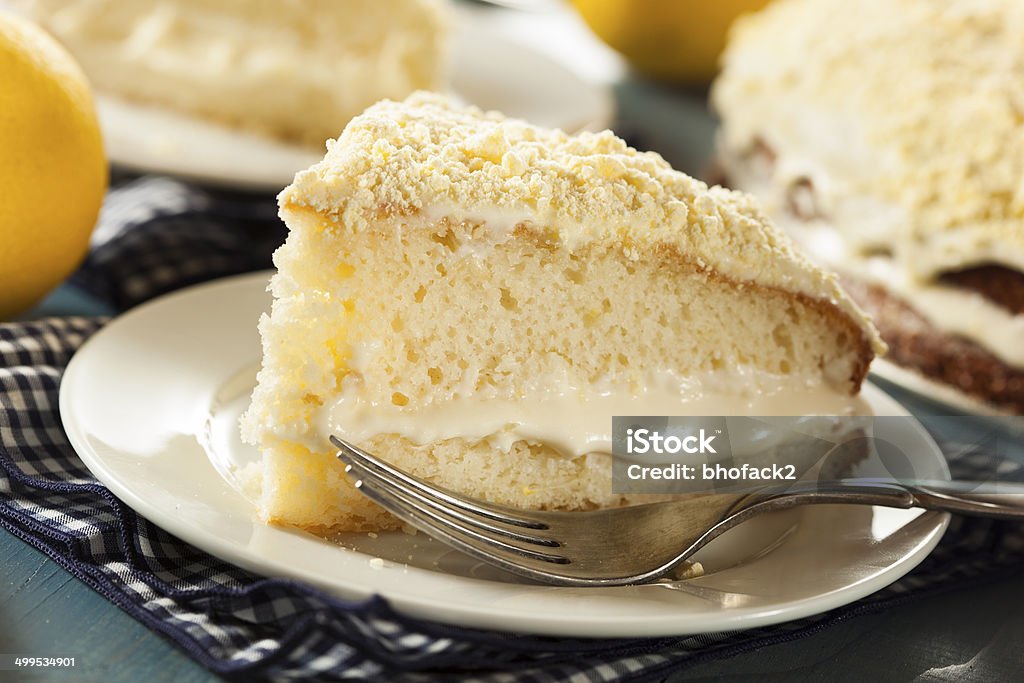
column 934, row 93
column 428, row 154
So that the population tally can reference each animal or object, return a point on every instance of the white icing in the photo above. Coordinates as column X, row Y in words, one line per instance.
column 576, row 419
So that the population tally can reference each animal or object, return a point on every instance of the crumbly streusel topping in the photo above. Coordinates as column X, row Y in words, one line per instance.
column 428, row 154
column 934, row 90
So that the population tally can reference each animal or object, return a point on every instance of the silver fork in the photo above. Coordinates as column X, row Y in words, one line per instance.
column 636, row 544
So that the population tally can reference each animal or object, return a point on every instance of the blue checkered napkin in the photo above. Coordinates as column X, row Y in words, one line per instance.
column 156, row 234
column 249, row 628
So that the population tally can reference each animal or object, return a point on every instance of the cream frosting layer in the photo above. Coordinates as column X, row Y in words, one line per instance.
column 576, row 419
column 907, row 104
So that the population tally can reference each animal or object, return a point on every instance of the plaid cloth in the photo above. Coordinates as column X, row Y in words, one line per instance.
column 157, row 234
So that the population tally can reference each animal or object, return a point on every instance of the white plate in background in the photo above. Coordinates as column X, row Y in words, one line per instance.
column 488, row 70
column 151, row 403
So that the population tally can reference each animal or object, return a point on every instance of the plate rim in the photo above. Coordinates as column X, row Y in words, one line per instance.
column 553, row 625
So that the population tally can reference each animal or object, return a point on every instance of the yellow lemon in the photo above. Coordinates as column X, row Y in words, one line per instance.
column 53, row 173
column 674, row 40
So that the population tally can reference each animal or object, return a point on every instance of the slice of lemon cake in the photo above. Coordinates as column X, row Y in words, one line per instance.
column 472, row 298
column 295, row 69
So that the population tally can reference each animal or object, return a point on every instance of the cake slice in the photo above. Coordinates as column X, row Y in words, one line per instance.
column 472, row 298
column 886, row 136
column 297, row 70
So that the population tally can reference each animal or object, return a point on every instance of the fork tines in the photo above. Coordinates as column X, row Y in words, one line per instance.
column 481, row 529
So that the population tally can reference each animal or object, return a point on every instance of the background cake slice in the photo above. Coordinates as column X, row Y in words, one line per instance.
column 886, row 136
column 473, row 297
column 295, row 69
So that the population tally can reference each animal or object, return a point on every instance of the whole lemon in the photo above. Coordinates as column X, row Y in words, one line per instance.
column 673, row 40
column 53, row 173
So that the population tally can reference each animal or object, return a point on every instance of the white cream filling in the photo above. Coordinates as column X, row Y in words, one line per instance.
column 575, row 419
column 497, row 225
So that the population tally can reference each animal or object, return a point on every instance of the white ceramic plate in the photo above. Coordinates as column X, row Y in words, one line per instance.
column 151, row 404
column 489, row 70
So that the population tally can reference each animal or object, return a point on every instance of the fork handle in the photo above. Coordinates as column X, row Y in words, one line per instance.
column 980, row 499
column 1005, row 501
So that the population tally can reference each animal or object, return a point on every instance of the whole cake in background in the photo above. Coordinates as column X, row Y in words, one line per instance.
column 887, row 136
column 293, row 69
column 472, row 298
